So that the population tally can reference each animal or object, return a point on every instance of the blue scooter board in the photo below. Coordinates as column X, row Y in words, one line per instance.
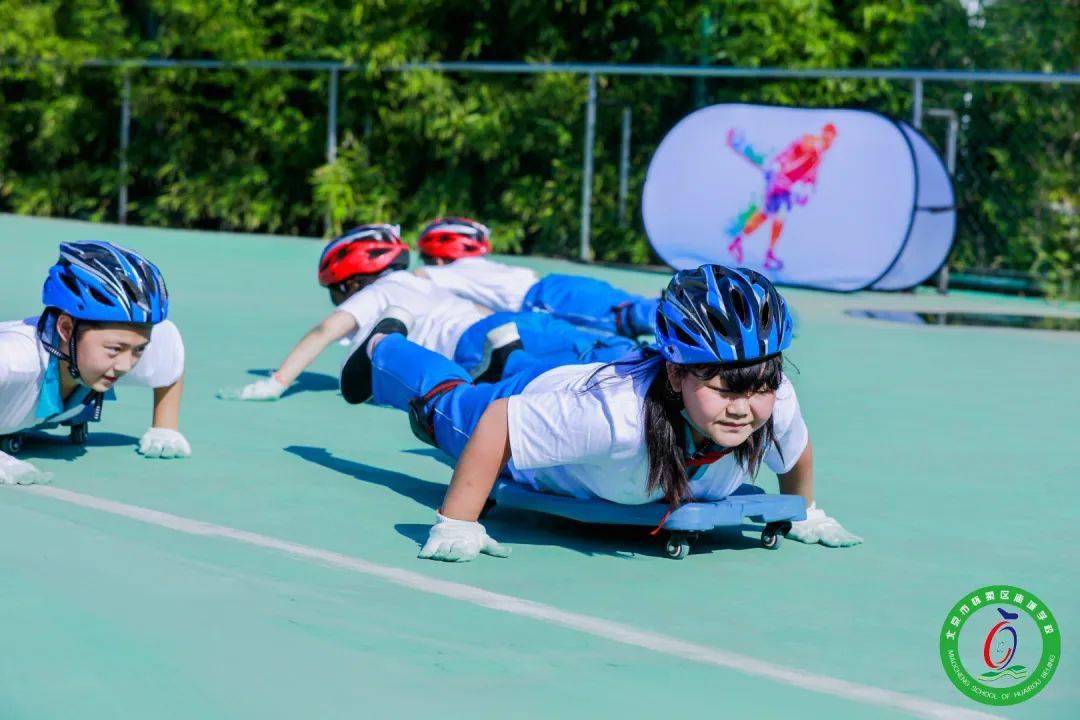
column 683, row 525
column 78, row 430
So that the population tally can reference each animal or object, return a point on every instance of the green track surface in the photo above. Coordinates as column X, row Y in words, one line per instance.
column 953, row 451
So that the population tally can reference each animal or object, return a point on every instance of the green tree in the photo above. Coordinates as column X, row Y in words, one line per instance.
column 245, row 149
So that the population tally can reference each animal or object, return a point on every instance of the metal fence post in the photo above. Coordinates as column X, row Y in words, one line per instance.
column 950, row 143
column 950, row 165
column 624, row 165
column 125, row 141
column 331, row 138
column 916, row 105
column 331, row 119
column 586, row 253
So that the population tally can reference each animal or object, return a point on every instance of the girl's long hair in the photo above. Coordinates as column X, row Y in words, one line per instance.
column 664, row 424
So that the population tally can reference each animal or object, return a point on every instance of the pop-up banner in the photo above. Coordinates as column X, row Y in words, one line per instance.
column 825, row 198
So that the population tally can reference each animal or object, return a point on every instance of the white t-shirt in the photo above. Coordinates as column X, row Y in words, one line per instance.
column 440, row 316
column 23, row 361
column 591, row 444
column 485, row 282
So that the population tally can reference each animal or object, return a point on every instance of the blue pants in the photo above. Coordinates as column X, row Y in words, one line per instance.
column 592, row 303
column 546, row 339
column 402, row 372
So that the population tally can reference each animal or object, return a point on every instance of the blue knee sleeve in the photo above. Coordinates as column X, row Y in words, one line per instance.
column 403, row 371
column 590, row 303
column 641, row 317
column 542, row 335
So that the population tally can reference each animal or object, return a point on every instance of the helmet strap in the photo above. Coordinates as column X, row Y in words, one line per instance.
column 73, row 363
column 46, row 330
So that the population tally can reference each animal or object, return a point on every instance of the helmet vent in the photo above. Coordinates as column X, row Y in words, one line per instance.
column 742, row 310
column 766, row 313
column 142, row 271
column 684, row 336
column 717, row 319
column 104, row 300
column 131, row 289
column 69, row 283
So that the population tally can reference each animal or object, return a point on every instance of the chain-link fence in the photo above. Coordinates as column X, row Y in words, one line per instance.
column 555, row 156
column 1015, row 177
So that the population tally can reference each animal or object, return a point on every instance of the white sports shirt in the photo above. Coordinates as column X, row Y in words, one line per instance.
column 440, row 316
column 23, row 361
column 591, row 443
column 484, row 282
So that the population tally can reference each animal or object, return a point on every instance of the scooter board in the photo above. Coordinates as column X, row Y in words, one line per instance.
column 748, row 501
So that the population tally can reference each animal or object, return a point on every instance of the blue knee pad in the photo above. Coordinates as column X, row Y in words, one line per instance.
column 455, row 413
column 443, row 404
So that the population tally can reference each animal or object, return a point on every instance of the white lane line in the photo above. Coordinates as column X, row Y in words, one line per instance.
column 598, row 627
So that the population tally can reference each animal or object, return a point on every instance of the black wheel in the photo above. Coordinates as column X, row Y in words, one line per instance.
column 11, row 444
column 773, row 533
column 678, row 546
column 78, row 434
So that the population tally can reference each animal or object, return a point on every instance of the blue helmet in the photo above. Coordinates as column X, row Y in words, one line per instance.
column 717, row 314
column 99, row 281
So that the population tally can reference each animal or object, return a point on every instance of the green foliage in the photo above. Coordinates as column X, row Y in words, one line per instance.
column 246, row 149
column 1016, row 173
column 354, row 187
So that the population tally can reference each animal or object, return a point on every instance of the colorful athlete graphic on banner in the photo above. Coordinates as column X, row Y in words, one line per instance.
column 790, row 175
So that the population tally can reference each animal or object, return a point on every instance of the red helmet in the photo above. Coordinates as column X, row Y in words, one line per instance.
column 364, row 250
column 454, row 238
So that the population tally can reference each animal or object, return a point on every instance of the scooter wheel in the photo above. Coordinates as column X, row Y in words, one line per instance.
column 78, row 434
column 11, row 444
column 678, row 546
column 773, row 533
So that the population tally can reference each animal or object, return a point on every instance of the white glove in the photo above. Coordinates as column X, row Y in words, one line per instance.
column 18, row 472
column 459, row 541
column 164, row 443
column 820, row 528
column 266, row 389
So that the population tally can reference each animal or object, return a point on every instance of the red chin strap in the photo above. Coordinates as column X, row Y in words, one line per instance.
column 708, row 458
column 694, row 461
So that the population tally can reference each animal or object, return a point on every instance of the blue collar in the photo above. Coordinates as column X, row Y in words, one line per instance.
column 50, row 402
column 691, row 446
